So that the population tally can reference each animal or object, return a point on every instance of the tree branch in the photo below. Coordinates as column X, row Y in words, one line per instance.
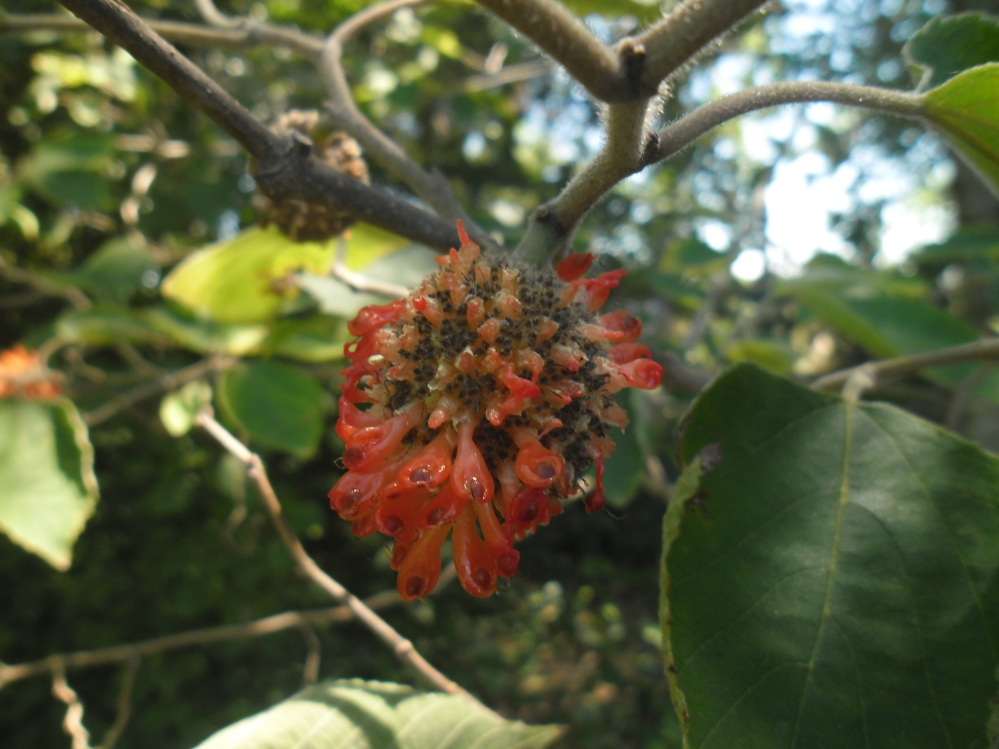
column 268, row 625
column 286, row 167
column 685, row 131
column 983, row 350
column 680, row 36
column 400, row 646
column 180, row 32
column 560, row 33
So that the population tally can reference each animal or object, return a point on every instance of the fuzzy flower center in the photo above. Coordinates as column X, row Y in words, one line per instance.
column 473, row 407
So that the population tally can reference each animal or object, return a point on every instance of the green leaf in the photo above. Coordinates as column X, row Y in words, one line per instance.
column 276, row 404
column 354, row 714
column 70, row 167
column 47, row 475
column 106, row 326
column 179, row 409
column 244, row 279
column 950, row 45
column 312, row 339
column 966, row 111
column 829, row 580
column 113, row 273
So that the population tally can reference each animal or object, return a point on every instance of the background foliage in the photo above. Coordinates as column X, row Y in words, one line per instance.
column 108, row 181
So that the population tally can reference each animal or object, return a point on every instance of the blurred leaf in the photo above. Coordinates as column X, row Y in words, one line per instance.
column 773, row 355
column 276, row 404
column 829, row 580
column 834, row 274
column 244, row 279
column 376, row 715
column 966, row 110
column 69, row 168
column 179, row 409
column 950, row 45
column 405, row 268
column 312, row 339
column 113, row 273
column 47, row 475
column 106, row 326
column 625, row 469
column 644, row 10
column 967, row 243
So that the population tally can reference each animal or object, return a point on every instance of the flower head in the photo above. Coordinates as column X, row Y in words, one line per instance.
column 23, row 375
column 473, row 407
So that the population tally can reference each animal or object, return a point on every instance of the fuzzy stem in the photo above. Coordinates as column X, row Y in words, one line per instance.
column 685, row 131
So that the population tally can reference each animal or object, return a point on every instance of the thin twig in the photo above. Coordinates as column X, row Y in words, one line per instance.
column 359, row 281
column 285, row 167
column 215, row 17
column 124, row 707
column 431, row 187
column 73, row 722
column 168, row 381
column 240, row 36
column 43, row 286
column 400, row 646
column 984, row 350
column 702, row 120
column 193, row 638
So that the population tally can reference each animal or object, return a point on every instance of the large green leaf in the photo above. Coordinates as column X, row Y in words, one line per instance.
column 244, row 279
column 950, row 45
column 276, row 404
column 374, row 715
column 966, row 111
column 829, row 575
column 47, row 477
column 70, row 168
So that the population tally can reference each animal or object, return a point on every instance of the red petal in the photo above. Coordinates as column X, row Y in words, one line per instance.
column 574, row 266
column 476, row 565
column 470, row 475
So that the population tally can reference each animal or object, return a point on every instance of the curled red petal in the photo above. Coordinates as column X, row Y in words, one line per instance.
column 642, row 373
column 420, row 567
column 375, row 316
column 626, row 352
column 499, row 543
column 368, row 447
column 475, row 563
column 597, row 290
column 538, row 466
column 519, row 386
column 626, row 325
column 470, row 475
column 430, row 467
column 574, row 266
column 351, row 419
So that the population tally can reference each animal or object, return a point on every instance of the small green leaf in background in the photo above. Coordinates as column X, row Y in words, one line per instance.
column 276, row 404
column 179, row 409
column 114, row 272
column 71, row 167
column 949, row 45
column 243, row 279
column 833, row 584
column 47, row 485
column 354, row 714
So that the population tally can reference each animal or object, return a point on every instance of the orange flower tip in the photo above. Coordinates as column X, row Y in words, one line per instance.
column 508, row 562
column 574, row 266
column 462, row 234
column 373, row 317
column 519, row 386
column 412, row 588
column 642, row 373
column 537, row 466
column 625, row 325
column 596, row 500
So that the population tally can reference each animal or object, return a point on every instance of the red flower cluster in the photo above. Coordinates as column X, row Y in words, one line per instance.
column 474, row 406
column 23, row 375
